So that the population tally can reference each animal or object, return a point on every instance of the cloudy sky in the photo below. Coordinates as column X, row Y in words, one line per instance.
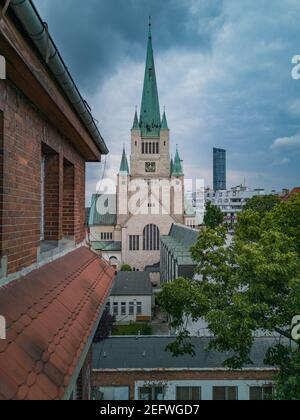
column 224, row 70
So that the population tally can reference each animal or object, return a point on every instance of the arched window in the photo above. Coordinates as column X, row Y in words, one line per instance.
column 151, row 238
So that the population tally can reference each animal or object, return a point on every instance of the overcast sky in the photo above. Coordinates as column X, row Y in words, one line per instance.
column 224, row 75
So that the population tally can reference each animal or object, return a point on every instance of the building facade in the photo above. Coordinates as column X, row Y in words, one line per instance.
column 149, row 378
column 53, row 289
column 219, row 169
column 150, row 191
column 232, row 202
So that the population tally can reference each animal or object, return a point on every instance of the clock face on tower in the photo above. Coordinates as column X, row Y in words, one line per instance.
column 150, row 167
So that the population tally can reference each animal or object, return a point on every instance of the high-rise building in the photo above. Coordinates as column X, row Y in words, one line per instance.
column 219, row 169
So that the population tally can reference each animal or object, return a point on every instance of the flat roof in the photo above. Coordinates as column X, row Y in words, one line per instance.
column 136, row 283
column 150, row 353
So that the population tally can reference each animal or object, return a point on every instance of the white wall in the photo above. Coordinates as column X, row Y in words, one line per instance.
column 207, row 388
column 146, row 307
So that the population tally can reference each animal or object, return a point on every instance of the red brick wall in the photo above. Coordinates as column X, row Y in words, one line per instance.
column 111, row 379
column 25, row 129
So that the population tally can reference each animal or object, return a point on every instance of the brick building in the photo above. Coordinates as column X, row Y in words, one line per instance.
column 147, row 372
column 53, row 289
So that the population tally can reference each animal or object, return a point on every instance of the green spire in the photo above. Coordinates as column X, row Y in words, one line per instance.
column 136, row 121
column 150, row 111
column 172, row 165
column 177, row 167
column 164, row 123
column 124, row 168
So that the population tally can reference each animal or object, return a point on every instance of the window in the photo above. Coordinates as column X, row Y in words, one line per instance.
column 188, row 393
column 151, row 238
column 261, row 393
column 131, row 309
column 139, row 308
column 106, row 236
column 108, row 307
column 229, row 393
column 123, row 308
column 154, row 393
column 111, row 393
column 50, row 189
column 134, row 243
column 68, row 199
column 116, row 309
column 150, row 148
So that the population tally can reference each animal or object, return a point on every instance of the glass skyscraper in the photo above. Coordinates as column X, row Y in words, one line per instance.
column 219, row 169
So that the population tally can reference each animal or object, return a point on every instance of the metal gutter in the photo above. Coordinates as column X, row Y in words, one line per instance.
column 37, row 30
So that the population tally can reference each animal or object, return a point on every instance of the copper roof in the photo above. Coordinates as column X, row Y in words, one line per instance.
column 51, row 314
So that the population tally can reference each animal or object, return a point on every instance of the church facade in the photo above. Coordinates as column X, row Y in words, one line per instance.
column 150, row 191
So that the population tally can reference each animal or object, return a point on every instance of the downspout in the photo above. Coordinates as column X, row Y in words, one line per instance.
column 38, row 32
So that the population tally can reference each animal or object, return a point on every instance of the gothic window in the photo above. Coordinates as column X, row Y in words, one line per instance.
column 151, row 238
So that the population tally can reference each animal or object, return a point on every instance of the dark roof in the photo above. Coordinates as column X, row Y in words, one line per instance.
column 155, row 268
column 135, row 283
column 150, row 353
column 101, row 214
column 52, row 314
column 179, row 242
column 110, row 246
column 184, row 234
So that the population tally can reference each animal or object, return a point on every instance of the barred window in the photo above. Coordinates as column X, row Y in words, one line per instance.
column 150, row 148
column 151, row 238
column 188, row 393
column 134, row 243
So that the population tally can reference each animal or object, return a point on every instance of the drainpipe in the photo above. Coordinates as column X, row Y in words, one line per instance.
column 38, row 32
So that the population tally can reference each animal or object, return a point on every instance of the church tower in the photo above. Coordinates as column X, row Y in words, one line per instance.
column 151, row 163
column 150, row 138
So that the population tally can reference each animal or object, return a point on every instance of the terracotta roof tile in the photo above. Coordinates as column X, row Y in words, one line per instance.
column 50, row 315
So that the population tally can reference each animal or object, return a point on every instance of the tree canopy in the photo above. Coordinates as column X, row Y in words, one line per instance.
column 250, row 284
column 213, row 216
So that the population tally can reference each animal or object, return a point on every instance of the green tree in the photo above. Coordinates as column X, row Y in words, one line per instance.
column 126, row 268
column 252, row 284
column 213, row 216
column 262, row 204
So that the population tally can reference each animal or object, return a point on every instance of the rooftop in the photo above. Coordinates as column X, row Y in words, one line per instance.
column 103, row 210
column 110, row 246
column 179, row 242
column 135, row 283
column 150, row 353
column 51, row 314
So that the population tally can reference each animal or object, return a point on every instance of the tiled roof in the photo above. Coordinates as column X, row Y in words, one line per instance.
column 291, row 194
column 51, row 316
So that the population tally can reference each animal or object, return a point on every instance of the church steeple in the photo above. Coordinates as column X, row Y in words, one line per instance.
column 177, row 166
column 164, row 123
column 150, row 122
column 124, row 167
column 135, row 121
